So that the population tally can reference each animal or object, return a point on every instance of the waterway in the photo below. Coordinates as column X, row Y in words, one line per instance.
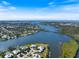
column 51, row 37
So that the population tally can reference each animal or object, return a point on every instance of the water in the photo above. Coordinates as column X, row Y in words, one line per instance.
column 49, row 28
column 52, row 38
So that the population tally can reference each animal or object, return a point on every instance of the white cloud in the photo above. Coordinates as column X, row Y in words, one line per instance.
column 66, row 8
column 6, row 6
column 1, row 6
column 51, row 3
column 3, row 9
column 12, row 7
column 5, row 3
column 47, row 16
column 71, row 8
column 67, row 12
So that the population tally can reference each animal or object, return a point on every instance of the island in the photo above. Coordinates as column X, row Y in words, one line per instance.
column 33, row 50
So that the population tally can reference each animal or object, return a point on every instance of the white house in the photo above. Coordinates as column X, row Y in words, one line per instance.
column 23, row 47
column 16, row 51
column 41, row 48
column 8, row 55
column 4, row 36
column 37, row 56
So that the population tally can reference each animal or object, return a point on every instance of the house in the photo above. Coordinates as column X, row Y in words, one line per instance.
column 33, row 46
column 41, row 48
column 4, row 36
column 23, row 47
column 18, row 56
column 37, row 56
column 15, row 51
column 8, row 55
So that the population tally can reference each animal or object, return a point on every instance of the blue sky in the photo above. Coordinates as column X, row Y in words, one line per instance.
column 39, row 9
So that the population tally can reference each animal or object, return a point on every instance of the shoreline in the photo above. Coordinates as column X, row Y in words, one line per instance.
column 43, row 54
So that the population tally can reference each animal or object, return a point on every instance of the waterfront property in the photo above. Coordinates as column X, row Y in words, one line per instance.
column 37, row 50
column 11, row 31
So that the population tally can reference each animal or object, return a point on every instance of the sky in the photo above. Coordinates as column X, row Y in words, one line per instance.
column 39, row 9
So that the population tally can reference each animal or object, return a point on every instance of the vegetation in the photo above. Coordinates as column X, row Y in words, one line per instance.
column 69, row 49
column 18, row 35
column 1, row 55
column 43, row 54
column 71, row 31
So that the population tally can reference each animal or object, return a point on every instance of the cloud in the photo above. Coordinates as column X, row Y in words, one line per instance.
column 63, row 2
column 39, row 16
column 5, row 3
column 65, row 5
column 61, row 11
column 51, row 3
column 53, row 11
column 71, row 8
column 1, row 6
column 6, row 6
column 12, row 7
